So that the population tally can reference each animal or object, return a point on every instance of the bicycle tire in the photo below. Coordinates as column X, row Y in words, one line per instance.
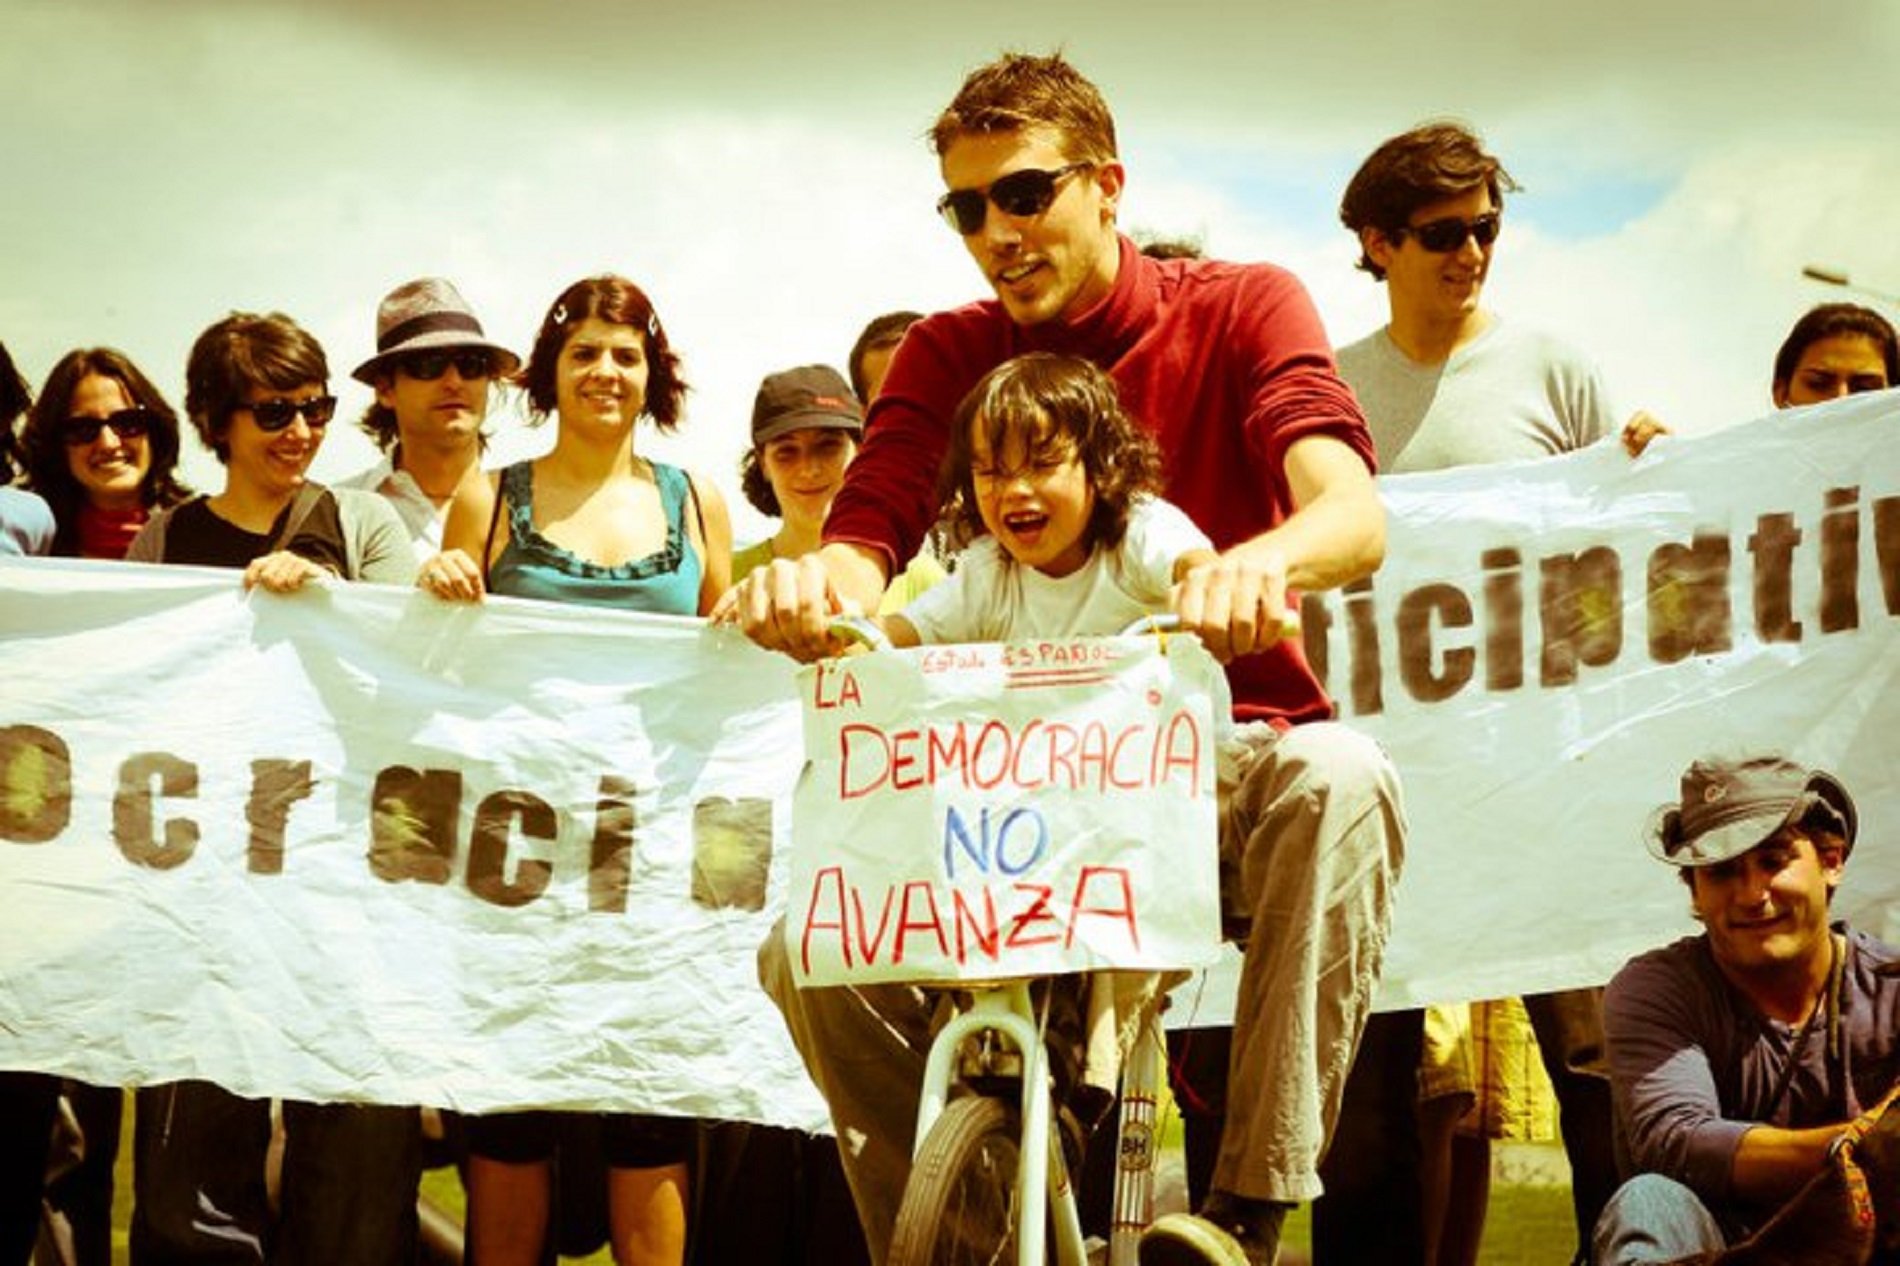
column 959, row 1207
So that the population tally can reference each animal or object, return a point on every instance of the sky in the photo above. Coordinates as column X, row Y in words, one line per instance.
column 760, row 170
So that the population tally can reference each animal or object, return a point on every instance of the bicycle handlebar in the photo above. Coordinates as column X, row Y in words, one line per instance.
column 861, row 629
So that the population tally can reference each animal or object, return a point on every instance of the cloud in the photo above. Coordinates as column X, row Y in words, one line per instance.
column 759, row 168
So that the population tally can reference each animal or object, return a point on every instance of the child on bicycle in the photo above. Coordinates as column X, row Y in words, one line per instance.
column 1054, row 487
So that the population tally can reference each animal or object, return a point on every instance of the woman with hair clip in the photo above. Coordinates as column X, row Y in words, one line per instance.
column 594, row 522
column 101, row 445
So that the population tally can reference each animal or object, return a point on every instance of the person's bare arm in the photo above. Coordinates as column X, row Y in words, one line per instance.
column 1772, row 1163
column 787, row 604
column 1236, row 602
column 716, row 548
column 456, row 573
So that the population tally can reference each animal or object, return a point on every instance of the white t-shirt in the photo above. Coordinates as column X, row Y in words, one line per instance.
column 992, row 598
column 419, row 513
column 1508, row 395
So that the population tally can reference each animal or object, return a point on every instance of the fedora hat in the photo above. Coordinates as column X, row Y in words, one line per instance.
column 811, row 396
column 422, row 315
column 1730, row 806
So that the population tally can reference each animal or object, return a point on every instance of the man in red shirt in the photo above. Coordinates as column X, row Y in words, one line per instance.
column 1230, row 368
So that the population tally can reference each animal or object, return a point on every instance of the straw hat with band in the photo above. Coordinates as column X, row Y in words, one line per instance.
column 427, row 314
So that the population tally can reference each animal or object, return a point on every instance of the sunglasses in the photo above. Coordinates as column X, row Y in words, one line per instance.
column 469, row 362
column 1021, row 193
column 127, row 424
column 275, row 415
column 1442, row 237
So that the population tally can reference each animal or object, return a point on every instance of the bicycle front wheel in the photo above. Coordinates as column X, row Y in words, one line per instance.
column 960, row 1204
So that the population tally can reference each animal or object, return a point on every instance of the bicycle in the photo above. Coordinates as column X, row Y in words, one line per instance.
column 987, row 1148
column 981, row 1160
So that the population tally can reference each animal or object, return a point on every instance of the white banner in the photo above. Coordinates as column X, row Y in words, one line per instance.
column 358, row 844
column 1549, row 645
column 985, row 812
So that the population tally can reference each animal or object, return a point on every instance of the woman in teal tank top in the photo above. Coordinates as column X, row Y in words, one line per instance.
column 594, row 522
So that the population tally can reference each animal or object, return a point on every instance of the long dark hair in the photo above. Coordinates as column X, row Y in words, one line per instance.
column 15, row 399
column 44, row 444
column 1837, row 320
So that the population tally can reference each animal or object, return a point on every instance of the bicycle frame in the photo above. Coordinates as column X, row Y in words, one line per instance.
column 1004, row 1009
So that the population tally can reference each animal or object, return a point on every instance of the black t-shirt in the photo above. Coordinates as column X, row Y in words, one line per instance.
column 197, row 535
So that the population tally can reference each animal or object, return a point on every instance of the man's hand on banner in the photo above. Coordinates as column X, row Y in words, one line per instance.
column 452, row 576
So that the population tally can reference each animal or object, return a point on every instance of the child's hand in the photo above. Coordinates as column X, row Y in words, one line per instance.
column 1235, row 604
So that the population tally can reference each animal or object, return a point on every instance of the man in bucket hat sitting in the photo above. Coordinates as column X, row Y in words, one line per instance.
column 1744, row 1058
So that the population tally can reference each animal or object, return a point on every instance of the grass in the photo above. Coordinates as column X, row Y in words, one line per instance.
column 1528, row 1222
column 1526, row 1225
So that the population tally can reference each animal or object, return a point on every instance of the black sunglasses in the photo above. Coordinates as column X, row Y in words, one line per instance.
column 1021, row 193
column 469, row 362
column 1442, row 237
column 127, row 424
column 275, row 415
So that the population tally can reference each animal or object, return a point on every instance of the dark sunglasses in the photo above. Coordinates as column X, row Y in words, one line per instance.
column 127, row 424
column 469, row 362
column 1442, row 237
column 275, row 415
column 1021, row 193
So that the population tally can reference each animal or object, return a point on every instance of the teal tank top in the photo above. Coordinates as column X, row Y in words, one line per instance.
column 665, row 582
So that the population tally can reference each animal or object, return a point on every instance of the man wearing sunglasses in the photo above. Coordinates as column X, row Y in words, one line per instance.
column 432, row 372
column 1449, row 383
column 1230, row 367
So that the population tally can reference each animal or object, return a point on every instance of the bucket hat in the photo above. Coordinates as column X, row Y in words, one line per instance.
column 1730, row 806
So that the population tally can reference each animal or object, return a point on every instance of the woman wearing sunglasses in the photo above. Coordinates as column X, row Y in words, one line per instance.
column 593, row 522
column 101, row 446
column 257, row 392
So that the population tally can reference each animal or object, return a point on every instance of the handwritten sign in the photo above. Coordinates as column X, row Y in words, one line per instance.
column 982, row 812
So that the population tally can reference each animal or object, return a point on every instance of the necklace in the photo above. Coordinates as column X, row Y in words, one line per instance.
column 1830, row 1003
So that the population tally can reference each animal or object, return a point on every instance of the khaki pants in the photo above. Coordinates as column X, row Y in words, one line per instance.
column 1312, row 838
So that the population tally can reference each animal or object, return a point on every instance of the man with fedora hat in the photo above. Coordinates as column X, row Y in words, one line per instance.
column 432, row 372
column 1745, row 1058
